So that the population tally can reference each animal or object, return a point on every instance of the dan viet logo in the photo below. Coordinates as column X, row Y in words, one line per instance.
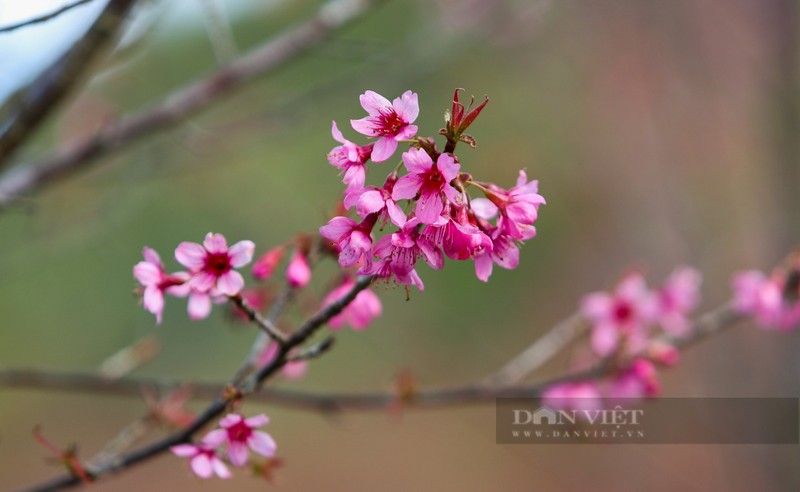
column 546, row 423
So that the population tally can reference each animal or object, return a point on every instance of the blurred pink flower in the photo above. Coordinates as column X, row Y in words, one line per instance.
column 390, row 122
column 212, row 264
column 203, row 459
column 764, row 298
column 240, row 434
column 431, row 181
column 358, row 314
column 266, row 263
column 621, row 315
column 573, row 396
column 150, row 274
column 639, row 380
column 679, row 295
column 298, row 273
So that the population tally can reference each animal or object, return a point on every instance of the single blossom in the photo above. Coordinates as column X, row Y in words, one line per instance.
column 150, row 274
column 679, row 295
column 350, row 159
column 372, row 200
column 213, row 264
column 298, row 273
column 518, row 207
column 765, row 299
column 622, row 315
column 389, row 122
column 429, row 180
column 353, row 239
column 265, row 265
column 203, row 459
column 359, row 313
column 240, row 435
column 504, row 252
column 639, row 380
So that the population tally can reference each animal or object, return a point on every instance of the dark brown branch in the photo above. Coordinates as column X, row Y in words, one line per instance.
column 45, row 17
column 183, row 103
column 40, row 99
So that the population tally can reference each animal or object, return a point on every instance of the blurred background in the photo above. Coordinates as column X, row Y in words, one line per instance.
column 662, row 133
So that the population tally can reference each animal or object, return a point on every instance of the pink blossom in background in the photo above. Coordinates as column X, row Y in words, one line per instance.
column 679, row 295
column 150, row 274
column 573, row 396
column 240, row 436
column 350, row 159
column 265, row 265
column 353, row 239
column 764, row 298
column 203, row 460
column 298, row 273
column 639, row 380
column 389, row 122
column 622, row 315
column 212, row 264
column 429, row 180
column 291, row 370
column 358, row 314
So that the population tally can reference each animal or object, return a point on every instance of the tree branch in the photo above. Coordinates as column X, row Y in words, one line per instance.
column 182, row 103
column 44, row 94
column 43, row 18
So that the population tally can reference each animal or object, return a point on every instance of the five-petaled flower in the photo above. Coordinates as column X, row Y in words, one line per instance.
column 239, row 434
column 203, row 459
column 150, row 273
column 390, row 122
column 429, row 180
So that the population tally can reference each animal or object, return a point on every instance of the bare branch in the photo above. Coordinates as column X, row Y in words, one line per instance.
column 184, row 102
column 43, row 18
column 44, row 94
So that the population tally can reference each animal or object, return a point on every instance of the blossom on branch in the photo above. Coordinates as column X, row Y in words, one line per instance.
column 389, row 122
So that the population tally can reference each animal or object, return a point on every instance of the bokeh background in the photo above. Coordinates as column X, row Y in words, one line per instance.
column 662, row 133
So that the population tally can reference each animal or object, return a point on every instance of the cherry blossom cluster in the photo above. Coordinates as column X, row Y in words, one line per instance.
column 626, row 325
column 430, row 210
column 772, row 300
column 238, row 435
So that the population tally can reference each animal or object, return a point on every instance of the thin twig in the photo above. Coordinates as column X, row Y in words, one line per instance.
column 266, row 324
column 43, row 18
column 183, row 103
column 28, row 111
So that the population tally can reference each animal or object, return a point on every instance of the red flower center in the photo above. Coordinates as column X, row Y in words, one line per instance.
column 239, row 432
column 389, row 123
column 217, row 263
column 623, row 312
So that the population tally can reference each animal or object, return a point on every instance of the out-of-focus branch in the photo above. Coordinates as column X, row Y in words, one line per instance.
column 115, row 464
column 707, row 325
column 184, row 102
column 43, row 18
column 29, row 110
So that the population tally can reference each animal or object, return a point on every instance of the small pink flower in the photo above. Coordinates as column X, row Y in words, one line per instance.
column 460, row 239
column 390, row 122
column 150, row 273
column 581, row 396
column 639, row 380
column 353, row 240
column 621, row 315
column 763, row 297
column 679, row 295
column 350, row 158
column 398, row 254
column 203, row 459
column 298, row 273
column 504, row 252
column 240, row 434
column 266, row 263
column 518, row 207
column 373, row 200
column 291, row 370
column 212, row 264
column 359, row 313
column 431, row 181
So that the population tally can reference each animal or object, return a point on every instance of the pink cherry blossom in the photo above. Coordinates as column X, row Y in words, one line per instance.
column 239, row 434
column 379, row 201
column 203, row 459
column 679, row 295
column 398, row 254
column 518, row 207
column 581, row 396
column 764, row 298
column 390, row 122
column 504, row 252
column 353, row 240
column 639, row 380
column 266, row 263
column 428, row 180
column 460, row 239
column 350, row 159
column 150, row 274
column 212, row 264
column 298, row 273
column 622, row 315
column 295, row 369
column 358, row 314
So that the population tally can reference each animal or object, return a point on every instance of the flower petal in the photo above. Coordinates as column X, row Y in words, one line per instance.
column 190, row 255
column 215, row 243
column 407, row 106
column 199, row 306
column 383, row 149
column 230, row 283
column 262, row 443
column 241, row 253
column 373, row 103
